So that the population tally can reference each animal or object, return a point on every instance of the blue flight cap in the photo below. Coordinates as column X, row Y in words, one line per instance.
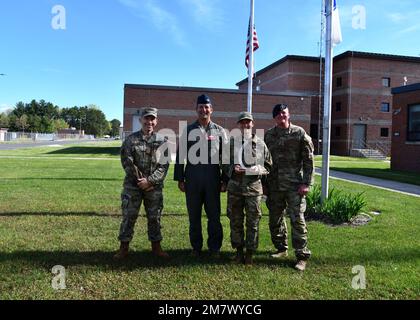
column 203, row 99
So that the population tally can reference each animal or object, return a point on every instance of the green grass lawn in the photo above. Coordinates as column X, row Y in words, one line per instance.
column 56, row 209
column 370, row 168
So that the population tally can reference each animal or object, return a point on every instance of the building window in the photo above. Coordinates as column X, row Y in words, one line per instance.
column 337, row 131
column 386, row 82
column 385, row 107
column 384, row 132
column 413, row 123
column 338, row 106
column 339, row 82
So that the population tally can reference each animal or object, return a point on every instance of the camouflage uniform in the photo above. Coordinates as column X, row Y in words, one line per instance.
column 143, row 152
column 245, row 192
column 292, row 151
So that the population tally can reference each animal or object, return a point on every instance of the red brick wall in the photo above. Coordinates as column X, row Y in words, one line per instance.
column 274, row 79
column 404, row 155
column 291, row 75
column 229, row 103
column 361, row 95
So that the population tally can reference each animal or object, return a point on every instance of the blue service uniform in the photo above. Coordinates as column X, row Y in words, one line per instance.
column 202, row 176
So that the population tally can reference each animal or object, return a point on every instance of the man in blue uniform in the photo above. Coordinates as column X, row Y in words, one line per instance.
column 201, row 179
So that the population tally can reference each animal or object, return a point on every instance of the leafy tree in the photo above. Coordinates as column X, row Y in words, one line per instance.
column 45, row 117
column 4, row 120
column 96, row 122
column 60, row 124
column 19, row 109
column 115, row 127
column 22, row 122
column 39, row 116
column 13, row 123
column 75, row 117
column 35, row 123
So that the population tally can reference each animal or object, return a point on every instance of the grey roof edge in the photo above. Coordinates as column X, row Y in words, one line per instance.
column 407, row 88
column 221, row 90
column 346, row 54
column 280, row 61
column 373, row 55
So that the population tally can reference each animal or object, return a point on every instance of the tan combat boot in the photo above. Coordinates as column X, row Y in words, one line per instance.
column 123, row 251
column 248, row 257
column 279, row 254
column 157, row 250
column 300, row 265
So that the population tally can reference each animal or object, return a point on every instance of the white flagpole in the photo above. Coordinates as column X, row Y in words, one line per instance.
column 251, row 57
column 327, row 102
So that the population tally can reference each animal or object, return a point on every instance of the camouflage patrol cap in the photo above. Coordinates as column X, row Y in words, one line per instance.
column 149, row 111
column 245, row 116
column 279, row 108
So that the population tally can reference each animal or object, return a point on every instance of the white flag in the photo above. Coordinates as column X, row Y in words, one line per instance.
column 336, row 37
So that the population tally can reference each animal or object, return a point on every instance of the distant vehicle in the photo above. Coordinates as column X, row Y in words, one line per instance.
column 107, row 136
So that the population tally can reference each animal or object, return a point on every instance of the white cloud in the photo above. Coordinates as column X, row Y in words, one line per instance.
column 409, row 21
column 206, row 13
column 162, row 19
column 396, row 17
column 410, row 29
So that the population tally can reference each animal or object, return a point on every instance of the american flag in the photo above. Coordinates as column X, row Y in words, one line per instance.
column 255, row 42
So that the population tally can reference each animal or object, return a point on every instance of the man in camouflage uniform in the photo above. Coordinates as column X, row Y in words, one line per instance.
column 288, row 183
column 245, row 187
column 143, row 159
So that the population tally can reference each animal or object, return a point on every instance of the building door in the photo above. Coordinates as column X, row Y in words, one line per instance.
column 359, row 136
column 136, row 123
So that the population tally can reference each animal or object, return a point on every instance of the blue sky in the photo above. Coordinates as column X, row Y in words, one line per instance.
column 200, row 43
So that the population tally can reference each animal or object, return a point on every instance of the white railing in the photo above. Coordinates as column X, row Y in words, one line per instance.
column 30, row 136
column 373, row 147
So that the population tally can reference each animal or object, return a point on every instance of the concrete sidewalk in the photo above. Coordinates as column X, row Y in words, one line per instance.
column 405, row 188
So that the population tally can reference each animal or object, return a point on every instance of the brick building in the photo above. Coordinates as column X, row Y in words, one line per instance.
column 405, row 153
column 178, row 103
column 361, row 105
column 362, row 99
column 361, row 116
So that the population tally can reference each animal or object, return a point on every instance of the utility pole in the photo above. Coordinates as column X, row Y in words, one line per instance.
column 327, row 104
column 333, row 37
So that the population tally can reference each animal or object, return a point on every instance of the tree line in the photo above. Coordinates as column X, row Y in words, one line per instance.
column 45, row 117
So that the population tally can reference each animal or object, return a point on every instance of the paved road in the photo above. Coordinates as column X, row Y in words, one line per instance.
column 14, row 146
column 400, row 187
